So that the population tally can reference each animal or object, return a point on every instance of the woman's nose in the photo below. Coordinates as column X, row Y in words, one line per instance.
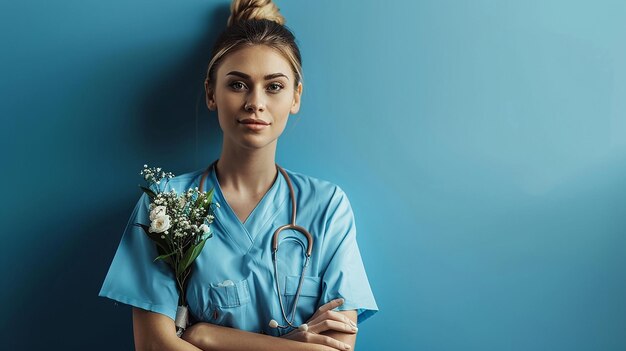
column 255, row 102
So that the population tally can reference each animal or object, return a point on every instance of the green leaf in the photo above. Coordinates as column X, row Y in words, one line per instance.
column 162, row 252
column 163, row 257
column 198, row 202
column 150, row 193
column 196, row 251
column 209, row 198
column 190, row 256
column 162, row 244
column 209, row 195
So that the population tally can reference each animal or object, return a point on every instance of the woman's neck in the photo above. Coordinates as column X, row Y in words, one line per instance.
column 247, row 173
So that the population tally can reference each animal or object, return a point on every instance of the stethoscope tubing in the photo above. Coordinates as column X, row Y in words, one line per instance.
column 292, row 226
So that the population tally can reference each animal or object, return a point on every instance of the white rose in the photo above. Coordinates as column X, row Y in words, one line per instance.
column 157, row 211
column 160, row 224
column 204, row 228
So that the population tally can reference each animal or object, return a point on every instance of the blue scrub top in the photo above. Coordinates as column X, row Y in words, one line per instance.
column 232, row 282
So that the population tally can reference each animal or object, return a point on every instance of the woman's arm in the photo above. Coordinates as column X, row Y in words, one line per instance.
column 211, row 337
column 154, row 331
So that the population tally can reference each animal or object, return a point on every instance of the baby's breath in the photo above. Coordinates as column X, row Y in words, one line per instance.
column 154, row 175
column 185, row 213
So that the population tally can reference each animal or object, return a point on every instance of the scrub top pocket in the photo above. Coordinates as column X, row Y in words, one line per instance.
column 229, row 294
column 309, row 296
column 228, row 302
column 310, row 286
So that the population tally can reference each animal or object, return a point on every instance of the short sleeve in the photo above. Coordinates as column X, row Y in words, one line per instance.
column 134, row 278
column 345, row 274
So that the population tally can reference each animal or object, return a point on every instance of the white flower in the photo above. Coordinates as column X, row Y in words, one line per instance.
column 160, row 224
column 204, row 228
column 157, row 211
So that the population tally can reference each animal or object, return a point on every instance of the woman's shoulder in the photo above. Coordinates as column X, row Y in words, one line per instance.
column 311, row 181
column 315, row 188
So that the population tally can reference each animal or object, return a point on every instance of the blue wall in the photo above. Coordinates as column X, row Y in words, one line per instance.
column 482, row 145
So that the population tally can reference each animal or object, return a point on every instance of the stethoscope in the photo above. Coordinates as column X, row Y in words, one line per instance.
column 290, row 322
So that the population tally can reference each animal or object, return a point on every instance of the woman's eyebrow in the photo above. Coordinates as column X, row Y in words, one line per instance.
column 245, row 76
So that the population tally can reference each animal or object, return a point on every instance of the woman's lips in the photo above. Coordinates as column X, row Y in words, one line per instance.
column 253, row 120
column 254, row 124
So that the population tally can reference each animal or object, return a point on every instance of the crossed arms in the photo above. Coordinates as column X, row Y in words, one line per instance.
column 328, row 331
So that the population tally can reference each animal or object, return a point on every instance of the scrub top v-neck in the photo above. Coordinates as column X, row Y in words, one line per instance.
column 232, row 281
column 262, row 212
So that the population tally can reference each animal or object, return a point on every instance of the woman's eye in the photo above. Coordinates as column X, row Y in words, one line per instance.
column 275, row 87
column 237, row 85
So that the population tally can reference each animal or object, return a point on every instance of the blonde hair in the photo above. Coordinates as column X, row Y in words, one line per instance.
column 256, row 22
column 251, row 9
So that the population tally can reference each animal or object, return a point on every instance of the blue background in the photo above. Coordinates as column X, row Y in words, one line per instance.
column 482, row 145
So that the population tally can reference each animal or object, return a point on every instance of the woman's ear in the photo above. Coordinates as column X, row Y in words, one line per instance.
column 295, row 107
column 210, row 96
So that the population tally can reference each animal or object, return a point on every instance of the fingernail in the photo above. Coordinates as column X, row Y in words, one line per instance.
column 351, row 322
column 355, row 329
column 339, row 300
column 346, row 346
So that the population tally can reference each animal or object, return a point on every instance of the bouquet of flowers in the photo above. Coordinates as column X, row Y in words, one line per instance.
column 180, row 226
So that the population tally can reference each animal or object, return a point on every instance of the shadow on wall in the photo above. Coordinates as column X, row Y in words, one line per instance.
column 181, row 87
column 57, row 299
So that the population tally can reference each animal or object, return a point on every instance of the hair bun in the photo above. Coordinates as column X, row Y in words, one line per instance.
column 241, row 10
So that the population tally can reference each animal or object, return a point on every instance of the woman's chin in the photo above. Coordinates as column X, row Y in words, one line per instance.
column 255, row 143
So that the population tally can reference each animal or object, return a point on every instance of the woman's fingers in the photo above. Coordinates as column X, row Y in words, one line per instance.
column 329, row 324
column 331, row 315
column 312, row 338
column 325, row 340
column 327, row 307
column 331, row 305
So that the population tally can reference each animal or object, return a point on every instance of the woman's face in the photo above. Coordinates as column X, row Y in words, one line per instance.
column 253, row 84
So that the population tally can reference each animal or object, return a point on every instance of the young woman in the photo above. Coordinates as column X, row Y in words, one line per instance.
column 239, row 297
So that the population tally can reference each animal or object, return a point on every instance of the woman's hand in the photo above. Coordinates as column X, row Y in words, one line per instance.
column 325, row 319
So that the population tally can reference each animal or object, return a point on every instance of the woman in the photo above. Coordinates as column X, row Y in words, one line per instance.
column 254, row 82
